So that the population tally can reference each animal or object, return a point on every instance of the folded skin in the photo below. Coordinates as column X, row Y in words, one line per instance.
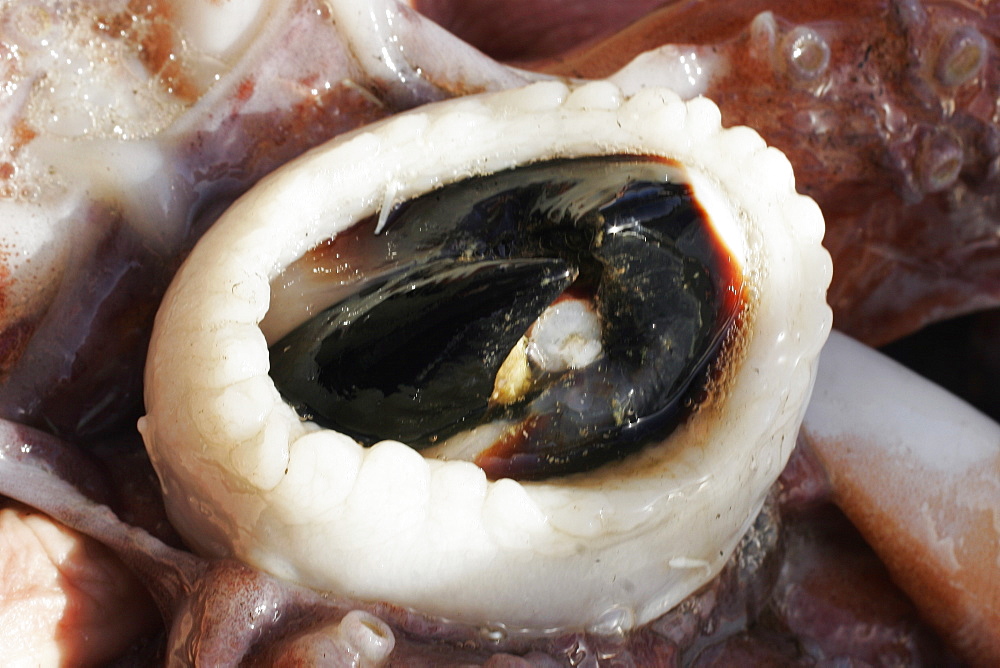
column 20, row 616
column 68, row 600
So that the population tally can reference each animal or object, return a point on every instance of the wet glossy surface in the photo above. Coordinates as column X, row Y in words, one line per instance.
column 459, row 276
column 306, row 89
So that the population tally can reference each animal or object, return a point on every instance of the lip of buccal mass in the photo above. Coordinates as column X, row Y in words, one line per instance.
column 244, row 476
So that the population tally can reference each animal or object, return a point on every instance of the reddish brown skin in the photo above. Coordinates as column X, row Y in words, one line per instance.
column 944, row 598
column 523, row 30
column 789, row 601
column 14, row 339
column 904, row 253
column 111, row 299
column 147, row 26
column 902, row 258
column 835, row 596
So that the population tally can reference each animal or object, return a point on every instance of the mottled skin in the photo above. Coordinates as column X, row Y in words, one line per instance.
column 71, row 359
column 222, row 612
column 900, row 150
column 896, row 137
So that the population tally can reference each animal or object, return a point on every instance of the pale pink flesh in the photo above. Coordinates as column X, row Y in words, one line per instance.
column 918, row 472
column 68, row 600
column 904, row 296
